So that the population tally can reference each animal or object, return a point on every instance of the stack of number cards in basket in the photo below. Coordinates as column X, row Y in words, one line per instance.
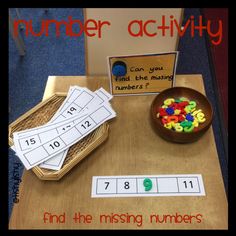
column 81, row 113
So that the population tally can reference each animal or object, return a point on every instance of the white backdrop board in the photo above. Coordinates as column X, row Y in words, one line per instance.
column 116, row 40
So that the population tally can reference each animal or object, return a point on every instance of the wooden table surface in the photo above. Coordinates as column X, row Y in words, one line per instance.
column 132, row 148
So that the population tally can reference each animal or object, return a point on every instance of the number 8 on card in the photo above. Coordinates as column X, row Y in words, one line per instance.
column 126, row 186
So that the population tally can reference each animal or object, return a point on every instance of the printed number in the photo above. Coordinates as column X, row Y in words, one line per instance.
column 86, row 124
column 126, row 186
column 31, row 141
column 147, row 183
column 55, row 144
column 107, row 183
column 70, row 111
column 190, row 182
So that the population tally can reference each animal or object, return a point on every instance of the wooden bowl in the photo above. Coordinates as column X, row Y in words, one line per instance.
column 177, row 92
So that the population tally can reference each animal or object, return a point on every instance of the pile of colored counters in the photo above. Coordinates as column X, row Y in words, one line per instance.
column 180, row 115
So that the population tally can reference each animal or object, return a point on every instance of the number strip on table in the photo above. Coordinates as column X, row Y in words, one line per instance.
column 147, row 186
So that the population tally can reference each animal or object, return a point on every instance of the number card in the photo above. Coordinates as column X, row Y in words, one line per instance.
column 147, row 186
column 60, row 141
column 101, row 96
column 72, row 94
column 81, row 112
column 142, row 74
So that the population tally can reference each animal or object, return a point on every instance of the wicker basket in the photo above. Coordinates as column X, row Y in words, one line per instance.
column 40, row 115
